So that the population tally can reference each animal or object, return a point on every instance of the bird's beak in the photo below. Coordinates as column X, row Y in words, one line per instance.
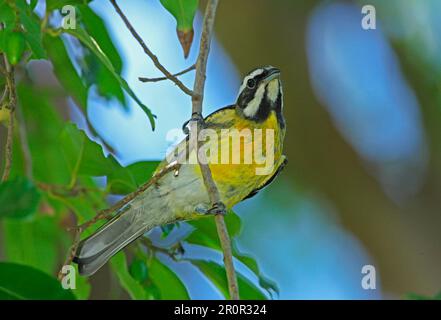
column 273, row 73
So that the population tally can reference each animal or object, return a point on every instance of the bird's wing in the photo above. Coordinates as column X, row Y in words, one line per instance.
column 282, row 163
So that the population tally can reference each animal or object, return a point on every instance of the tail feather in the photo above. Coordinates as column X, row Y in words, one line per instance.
column 94, row 251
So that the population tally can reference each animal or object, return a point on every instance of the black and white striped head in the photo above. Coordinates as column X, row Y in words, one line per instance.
column 260, row 93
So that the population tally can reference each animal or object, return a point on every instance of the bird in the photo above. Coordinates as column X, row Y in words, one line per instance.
column 180, row 194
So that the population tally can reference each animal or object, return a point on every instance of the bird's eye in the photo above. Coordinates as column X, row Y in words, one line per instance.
column 251, row 83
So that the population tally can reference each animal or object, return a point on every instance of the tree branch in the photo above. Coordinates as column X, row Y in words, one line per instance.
column 213, row 192
column 142, row 79
column 11, row 104
column 154, row 58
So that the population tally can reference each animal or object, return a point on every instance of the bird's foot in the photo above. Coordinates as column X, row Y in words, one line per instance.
column 217, row 208
column 195, row 117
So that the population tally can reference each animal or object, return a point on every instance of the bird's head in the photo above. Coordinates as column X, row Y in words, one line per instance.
column 260, row 93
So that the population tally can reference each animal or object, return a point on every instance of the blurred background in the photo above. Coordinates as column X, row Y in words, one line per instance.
column 363, row 112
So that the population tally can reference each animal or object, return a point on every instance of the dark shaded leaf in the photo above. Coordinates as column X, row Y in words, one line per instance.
column 184, row 12
column 92, row 44
column 168, row 283
column 58, row 4
column 206, row 235
column 138, row 270
column 19, row 198
column 108, row 86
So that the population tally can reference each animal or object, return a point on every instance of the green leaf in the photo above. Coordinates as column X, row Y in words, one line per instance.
column 33, row 243
column 47, row 157
column 133, row 287
column 92, row 44
column 32, row 34
column 108, row 86
column 65, row 71
column 84, row 156
column 7, row 15
column 206, row 235
column 23, row 282
column 97, row 29
column 217, row 275
column 19, row 198
column 124, row 180
column 183, row 11
column 15, row 47
column 170, row 286
column 138, row 270
column 58, row 4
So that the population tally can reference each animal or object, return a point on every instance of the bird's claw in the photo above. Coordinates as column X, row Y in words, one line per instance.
column 217, row 208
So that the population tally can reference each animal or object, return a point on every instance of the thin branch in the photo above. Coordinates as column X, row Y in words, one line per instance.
column 213, row 192
column 106, row 213
column 154, row 58
column 12, row 96
column 142, row 79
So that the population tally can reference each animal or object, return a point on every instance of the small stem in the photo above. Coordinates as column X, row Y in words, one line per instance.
column 154, row 58
column 142, row 79
column 213, row 192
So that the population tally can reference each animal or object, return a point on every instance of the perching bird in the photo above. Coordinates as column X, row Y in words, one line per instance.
column 181, row 194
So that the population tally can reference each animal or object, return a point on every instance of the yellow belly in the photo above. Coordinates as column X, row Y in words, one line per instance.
column 236, row 180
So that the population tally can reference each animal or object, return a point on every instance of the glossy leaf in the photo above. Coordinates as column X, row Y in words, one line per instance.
column 19, row 198
column 20, row 282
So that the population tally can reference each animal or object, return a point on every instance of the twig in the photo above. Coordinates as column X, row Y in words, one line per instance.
column 106, row 213
column 12, row 95
column 142, row 79
column 213, row 192
column 154, row 58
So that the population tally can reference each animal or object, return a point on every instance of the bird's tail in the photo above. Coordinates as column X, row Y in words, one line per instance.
column 94, row 251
